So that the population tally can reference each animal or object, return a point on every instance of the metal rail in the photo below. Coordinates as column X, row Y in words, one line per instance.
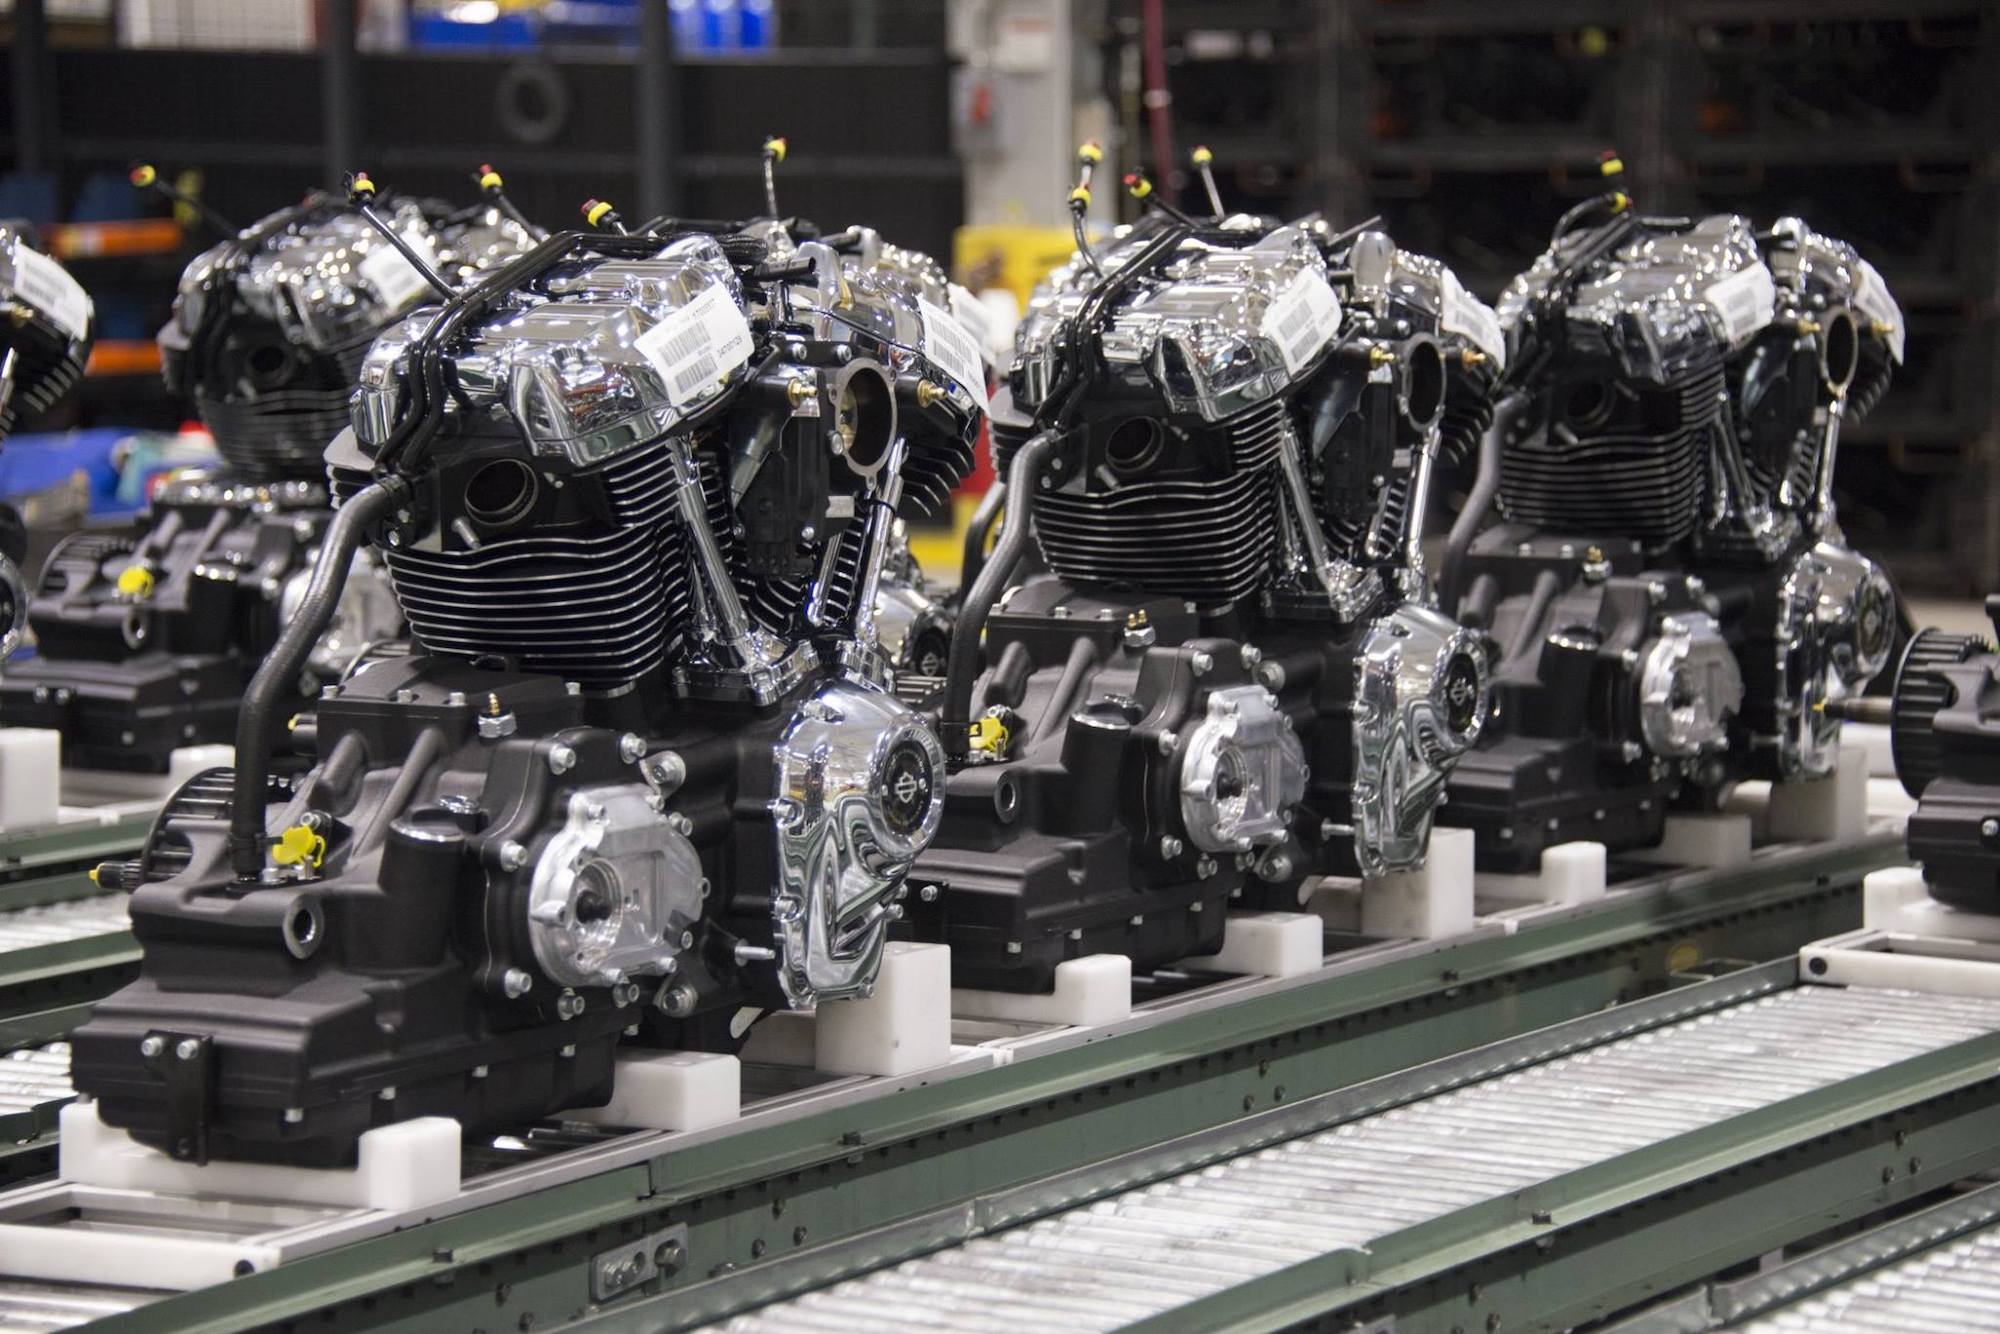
column 1175, row 1245
column 816, row 1161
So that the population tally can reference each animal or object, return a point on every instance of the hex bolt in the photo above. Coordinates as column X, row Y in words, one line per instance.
column 680, row 824
column 1167, row 742
column 1252, row 655
column 631, row 747
column 513, row 856
column 516, row 983
column 562, row 758
column 1989, row 827
column 153, row 1046
column 1202, row 663
column 1170, row 847
column 669, row 1256
column 187, row 1049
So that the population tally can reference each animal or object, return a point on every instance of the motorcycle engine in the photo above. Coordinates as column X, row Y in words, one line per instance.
column 45, row 340
column 1231, row 678
column 148, row 637
column 1663, row 456
column 644, row 768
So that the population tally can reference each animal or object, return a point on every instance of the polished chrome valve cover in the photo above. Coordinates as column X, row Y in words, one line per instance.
column 860, row 793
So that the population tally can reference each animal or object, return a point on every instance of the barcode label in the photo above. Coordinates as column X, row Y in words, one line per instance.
column 697, row 346
column 42, row 283
column 393, row 277
column 1473, row 320
column 1302, row 319
column 1873, row 299
column 1745, row 301
column 951, row 347
column 971, row 312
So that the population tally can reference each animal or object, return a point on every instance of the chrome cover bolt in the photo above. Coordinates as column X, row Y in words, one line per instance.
column 666, row 770
column 513, row 856
column 187, row 1049
column 630, row 747
column 1252, row 655
column 1277, row 866
column 680, row 824
column 1202, row 663
column 928, row 893
column 677, row 1000
column 1989, row 827
column 152, row 1046
column 1167, row 742
column 1204, row 868
column 516, row 983
column 569, row 1005
column 294, row 1115
column 562, row 758
column 1171, row 847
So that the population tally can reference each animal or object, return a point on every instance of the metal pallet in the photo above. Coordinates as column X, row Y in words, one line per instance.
column 1162, row 1247
column 821, row 1160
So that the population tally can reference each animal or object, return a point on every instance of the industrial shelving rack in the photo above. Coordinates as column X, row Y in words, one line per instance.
column 1471, row 124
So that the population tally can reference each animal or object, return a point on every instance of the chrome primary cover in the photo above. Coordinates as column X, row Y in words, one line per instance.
column 860, row 792
column 1420, row 701
column 1836, row 626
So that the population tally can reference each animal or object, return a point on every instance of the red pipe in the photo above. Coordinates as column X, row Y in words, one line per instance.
column 1158, row 101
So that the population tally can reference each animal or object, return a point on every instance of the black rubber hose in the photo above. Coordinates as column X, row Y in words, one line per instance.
column 976, row 533
column 1485, row 486
column 962, row 662
column 279, row 675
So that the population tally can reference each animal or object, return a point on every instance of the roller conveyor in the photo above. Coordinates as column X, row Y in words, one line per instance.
column 60, row 923
column 1953, row 1288
column 1149, row 1251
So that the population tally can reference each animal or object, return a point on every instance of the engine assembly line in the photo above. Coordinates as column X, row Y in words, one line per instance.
column 718, row 767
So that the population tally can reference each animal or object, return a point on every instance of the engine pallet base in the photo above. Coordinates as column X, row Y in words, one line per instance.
column 814, row 1159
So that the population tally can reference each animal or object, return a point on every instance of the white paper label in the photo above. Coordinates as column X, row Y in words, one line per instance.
column 1745, row 301
column 954, row 349
column 971, row 312
column 393, row 277
column 1872, row 298
column 699, row 344
column 43, row 284
column 1302, row 319
column 1473, row 320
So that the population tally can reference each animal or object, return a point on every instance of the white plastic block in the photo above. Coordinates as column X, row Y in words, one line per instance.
column 1096, row 989
column 1571, row 873
column 1426, row 904
column 1888, row 801
column 1896, row 900
column 187, row 761
column 1752, row 799
column 671, row 1090
column 1268, row 944
column 403, row 1166
column 30, row 777
column 904, row 1025
column 1887, row 893
column 1872, row 740
column 1824, row 809
column 1700, row 840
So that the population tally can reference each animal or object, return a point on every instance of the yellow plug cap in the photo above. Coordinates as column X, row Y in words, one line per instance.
column 1611, row 166
column 1089, row 152
column 1080, row 195
column 1138, row 185
column 489, row 179
column 988, row 734
column 359, row 185
column 299, row 844
column 144, row 175
column 136, row 581
column 594, row 211
column 1202, row 157
column 776, row 148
